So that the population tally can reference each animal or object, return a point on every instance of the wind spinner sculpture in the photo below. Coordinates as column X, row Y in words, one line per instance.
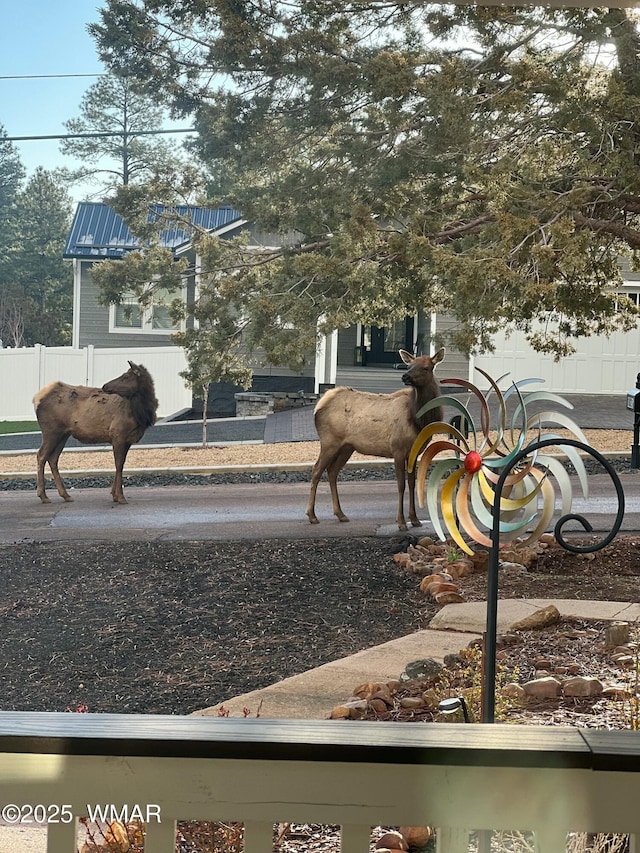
column 476, row 471
column 467, row 494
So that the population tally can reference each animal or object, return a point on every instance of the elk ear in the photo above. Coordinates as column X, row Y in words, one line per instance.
column 406, row 356
column 438, row 357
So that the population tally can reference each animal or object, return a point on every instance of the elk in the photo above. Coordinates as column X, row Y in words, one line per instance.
column 375, row 425
column 118, row 414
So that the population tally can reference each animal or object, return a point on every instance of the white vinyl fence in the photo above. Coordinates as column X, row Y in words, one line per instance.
column 24, row 371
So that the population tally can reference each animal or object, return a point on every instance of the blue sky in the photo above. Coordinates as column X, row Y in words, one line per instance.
column 41, row 37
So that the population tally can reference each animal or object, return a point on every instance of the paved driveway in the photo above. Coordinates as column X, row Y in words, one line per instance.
column 247, row 511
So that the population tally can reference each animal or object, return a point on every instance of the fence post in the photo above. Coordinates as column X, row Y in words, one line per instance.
column 89, row 365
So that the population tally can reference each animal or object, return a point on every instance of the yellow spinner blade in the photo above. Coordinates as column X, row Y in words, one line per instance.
column 426, row 434
column 448, row 512
column 437, row 473
column 466, row 519
column 505, row 503
column 548, row 508
column 426, row 459
column 485, row 517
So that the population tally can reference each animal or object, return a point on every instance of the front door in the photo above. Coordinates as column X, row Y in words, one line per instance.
column 385, row 341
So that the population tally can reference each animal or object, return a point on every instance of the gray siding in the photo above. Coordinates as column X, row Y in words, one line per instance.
column 94, row 320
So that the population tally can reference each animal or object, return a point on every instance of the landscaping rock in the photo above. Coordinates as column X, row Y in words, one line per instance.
column 582, row 686
column 549, row 615
column 423, row 669
column 543, row 688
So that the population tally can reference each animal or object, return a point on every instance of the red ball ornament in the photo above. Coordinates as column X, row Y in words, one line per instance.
column 473, row 461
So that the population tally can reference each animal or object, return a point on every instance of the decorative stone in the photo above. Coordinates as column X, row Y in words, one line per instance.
column 412, row 702
column 371, row 688
column 617, row 691
column 520, row 554
column 625, row 661
column 543, row 688
column 443, row 598
column 423, row 668
column 443, row 586
column 392, row 840
column 378, row 705
column 582, row 686
column 514, row 691
column 426, row 541
column 434, row 578
column 616, row 634
column 416, row 836
column 461, row 568
column 508, row 640
column 513, row 568
column 542, row 663
column 431, row 698
column 480, row 560
column 349, row 710
column 340, row 712
column 549, row 615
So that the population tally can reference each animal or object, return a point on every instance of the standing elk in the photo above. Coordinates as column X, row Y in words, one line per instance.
column 375, row 425
column 118, row 414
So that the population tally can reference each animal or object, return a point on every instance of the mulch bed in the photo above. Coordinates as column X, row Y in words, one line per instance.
column 176, row 627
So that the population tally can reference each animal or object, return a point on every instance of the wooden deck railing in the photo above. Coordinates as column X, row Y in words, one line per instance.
column 457, row 778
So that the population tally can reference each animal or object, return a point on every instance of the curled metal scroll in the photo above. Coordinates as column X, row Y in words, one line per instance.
column 488, row 697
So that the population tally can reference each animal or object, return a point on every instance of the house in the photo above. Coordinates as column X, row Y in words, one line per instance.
column 361, row 356
column 364, row 357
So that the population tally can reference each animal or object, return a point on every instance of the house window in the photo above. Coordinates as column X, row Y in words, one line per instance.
column 129, row 316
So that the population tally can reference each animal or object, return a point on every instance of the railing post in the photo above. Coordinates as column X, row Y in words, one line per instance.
column 258, row 837
column 355, row 838
column 450, row 840
column 160, row 837
column 62, row 837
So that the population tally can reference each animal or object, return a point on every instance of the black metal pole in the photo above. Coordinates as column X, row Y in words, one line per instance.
column 489, row 683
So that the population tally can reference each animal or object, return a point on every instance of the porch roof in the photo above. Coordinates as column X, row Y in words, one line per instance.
column 97, row 231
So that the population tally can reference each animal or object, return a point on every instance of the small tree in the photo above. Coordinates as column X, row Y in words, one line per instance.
column 213, row 355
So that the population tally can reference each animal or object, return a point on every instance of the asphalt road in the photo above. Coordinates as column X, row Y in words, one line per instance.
column 248, row 511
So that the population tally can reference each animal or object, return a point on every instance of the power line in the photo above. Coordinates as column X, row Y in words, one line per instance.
column 96, row 135
column 47, row 76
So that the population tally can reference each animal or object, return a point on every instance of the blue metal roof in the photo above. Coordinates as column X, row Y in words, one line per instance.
column 97, row 231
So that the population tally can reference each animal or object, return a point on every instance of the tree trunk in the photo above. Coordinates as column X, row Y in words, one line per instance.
column 205, row 403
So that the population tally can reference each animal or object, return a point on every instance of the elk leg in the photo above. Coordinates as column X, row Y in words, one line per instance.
column 50, row 452
column 316, row 475
column 119, row 455
column 334, row 468
column 399, row 464
column 53, row 464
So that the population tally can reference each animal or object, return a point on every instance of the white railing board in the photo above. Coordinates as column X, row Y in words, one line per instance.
column 262, row 772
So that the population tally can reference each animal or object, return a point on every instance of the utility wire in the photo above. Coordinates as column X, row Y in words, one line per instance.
column 46, row 76
column 96, row 135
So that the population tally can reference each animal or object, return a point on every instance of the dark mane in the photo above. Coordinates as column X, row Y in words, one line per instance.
column 144, row 404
